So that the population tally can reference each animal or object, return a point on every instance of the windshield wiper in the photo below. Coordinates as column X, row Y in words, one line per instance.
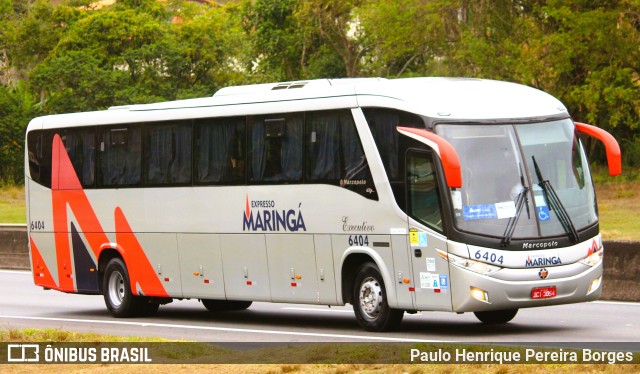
column 521, row 200
column 555, row 204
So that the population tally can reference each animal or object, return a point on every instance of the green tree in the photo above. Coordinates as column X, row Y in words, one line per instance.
column 108, row 58
column 35, row 33
column 123, row 55
column 586, row 53
column 294, row 39
column 212, row 46
column 276, row 40
column 330, row 33
column 17, row 107
column 406, row 38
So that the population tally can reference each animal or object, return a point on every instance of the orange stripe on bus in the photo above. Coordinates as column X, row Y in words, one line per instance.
column 140, row 270
column 67, row 193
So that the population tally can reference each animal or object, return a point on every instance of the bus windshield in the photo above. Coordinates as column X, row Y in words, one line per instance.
column 521, row 181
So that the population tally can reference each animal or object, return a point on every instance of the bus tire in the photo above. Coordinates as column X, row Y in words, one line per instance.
column 118, row 297
column 370, row 301
column 496, row 316
column 225, row 305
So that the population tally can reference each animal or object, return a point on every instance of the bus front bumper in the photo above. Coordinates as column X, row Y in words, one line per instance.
column 473, row 292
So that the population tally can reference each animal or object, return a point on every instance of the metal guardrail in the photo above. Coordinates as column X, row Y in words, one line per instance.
column 12, row 226
column 14, row 249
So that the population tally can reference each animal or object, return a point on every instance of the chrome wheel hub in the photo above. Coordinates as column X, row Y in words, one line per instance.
column 371, row 298
column 116, row 289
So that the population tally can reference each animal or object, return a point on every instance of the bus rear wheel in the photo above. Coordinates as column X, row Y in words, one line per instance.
column 118, row 297
column 370, row 301
column 225, row 305
column 496, row 316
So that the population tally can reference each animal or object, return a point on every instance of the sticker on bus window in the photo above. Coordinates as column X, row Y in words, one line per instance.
column 506, row 209
column 484, row 211
column 540, row 201
column 543, row 213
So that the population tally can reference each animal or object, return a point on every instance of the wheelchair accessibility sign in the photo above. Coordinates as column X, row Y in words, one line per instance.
column 543, row 213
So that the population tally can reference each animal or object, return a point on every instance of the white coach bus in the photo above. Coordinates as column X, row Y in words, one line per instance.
column 405, row 195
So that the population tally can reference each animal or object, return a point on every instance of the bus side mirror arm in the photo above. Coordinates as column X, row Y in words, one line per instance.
column 444, row 149
column 614, row 157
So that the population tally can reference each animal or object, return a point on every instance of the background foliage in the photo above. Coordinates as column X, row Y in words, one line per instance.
column 76, row 55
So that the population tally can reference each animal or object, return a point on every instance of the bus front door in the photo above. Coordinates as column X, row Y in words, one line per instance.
column 430, row 271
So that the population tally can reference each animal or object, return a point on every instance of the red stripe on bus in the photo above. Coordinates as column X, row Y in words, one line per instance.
column 140, row 270
column 67, row 193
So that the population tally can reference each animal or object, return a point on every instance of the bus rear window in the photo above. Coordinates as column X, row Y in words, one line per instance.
column 39, row 153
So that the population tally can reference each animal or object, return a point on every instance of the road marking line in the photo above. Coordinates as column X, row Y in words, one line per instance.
column 27, row 272
column 627, row 303
column 228, row 329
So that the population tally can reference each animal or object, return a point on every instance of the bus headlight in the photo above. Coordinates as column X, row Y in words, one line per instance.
column 595, row 284
column 475, row 266
column 592, row 260
column 480, row 294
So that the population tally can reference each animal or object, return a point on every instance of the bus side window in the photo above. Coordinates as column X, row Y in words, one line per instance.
column 219, row 150
column 324, row 151
column 422, row 189
column 382, row 123
column 80, row 146
column 39, row 145
column 167, row 153
column 334, row 154
column 120, row 156
column 276, row 149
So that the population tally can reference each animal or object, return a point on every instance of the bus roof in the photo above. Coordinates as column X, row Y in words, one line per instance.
column 454, row 98
column 438, row 98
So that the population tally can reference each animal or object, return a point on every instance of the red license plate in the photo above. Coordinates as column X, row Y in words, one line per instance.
column 543, row 293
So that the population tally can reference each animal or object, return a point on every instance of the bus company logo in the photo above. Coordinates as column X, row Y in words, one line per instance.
column 353, row 182
column 543, row 273
column 541, row 260
column 593, row 248
column 261, row 215
column 543, row 245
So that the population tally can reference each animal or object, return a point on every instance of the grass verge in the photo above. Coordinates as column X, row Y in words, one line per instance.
column 618, row 207
column 12, row 205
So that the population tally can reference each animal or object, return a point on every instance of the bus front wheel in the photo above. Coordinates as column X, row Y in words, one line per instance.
column 118, row 297
column 496, row 316
column 370, row 301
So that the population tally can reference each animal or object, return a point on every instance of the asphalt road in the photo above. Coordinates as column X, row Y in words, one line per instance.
column 23, row 305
